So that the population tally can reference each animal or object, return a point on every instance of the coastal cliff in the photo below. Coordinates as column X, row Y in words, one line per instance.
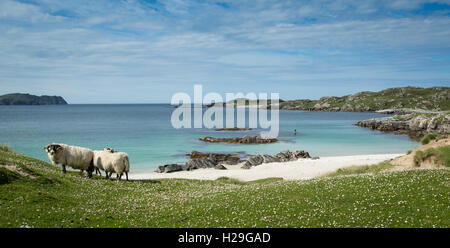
column 415, row 124
column 27, row 99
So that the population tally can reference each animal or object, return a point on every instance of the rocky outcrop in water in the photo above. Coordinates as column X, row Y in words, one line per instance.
column 283, row 156
column 218, row 160
column 233, row 129
column 243, row 140
column 226, row 158
column 413, row 124
column 168, row 168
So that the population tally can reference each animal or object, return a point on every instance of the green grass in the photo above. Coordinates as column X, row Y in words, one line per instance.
column 360, row 169
column 4, row 148
column 427, row 138
column 401, row 199
column 439, row 155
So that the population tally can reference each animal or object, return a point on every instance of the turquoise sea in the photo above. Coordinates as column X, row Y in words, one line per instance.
column 145, row 132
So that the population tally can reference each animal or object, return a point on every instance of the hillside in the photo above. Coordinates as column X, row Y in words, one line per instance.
column 433, row 99
column 241, row 102
column 27, row 99
column 34, row 193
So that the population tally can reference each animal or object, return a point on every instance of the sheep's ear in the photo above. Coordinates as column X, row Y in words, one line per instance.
column 58, row 147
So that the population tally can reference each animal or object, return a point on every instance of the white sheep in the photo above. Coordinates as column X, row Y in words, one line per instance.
column 74, row 156
column 125, row 155
column 112, row 162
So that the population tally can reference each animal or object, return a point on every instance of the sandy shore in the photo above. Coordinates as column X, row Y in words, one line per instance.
column 295, row 170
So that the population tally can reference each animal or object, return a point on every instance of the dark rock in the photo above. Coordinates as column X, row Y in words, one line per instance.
column 226, row 158
column 233, row 129
column 256, row 160
column 285, row 156
column 217, row 160
column 220, row 167
column 282, row 156
column 168, row 168
column 270, row 159
column 243, row 140
column 198, row 163
column 247, row 165
column 300, row 154
column 160, row 169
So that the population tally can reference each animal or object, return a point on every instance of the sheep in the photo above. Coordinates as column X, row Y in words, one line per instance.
column 127, row 168
column 74, row 156
column 112, row 162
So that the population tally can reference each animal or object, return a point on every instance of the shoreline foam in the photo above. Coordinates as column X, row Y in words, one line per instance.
column 301, row 169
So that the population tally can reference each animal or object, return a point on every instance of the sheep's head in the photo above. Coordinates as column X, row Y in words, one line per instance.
column 109, row 150
column 52, row 148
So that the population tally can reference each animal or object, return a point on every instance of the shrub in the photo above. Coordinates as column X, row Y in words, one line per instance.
column 436, row 155
column 427, row 138
column 7, row 176
column 409, row 152
column 418, row 158
column 4, row 148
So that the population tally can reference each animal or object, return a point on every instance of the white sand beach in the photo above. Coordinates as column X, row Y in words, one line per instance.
column 295, row 170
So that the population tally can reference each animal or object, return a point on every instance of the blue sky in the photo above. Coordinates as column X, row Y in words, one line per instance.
column 144, row 51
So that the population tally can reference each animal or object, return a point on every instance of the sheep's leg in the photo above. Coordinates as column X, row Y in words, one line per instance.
column 97, row 172
column 120, row 176
column 126, row 174
column 64, row 169
column 106, row 176
column 89, row 173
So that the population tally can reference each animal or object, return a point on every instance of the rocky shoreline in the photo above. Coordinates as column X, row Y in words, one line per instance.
column 415, row 125
column 238, row 140
column 233, row 129
column 201, row 160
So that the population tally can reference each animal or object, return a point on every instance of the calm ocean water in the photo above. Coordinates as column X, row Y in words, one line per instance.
column 146, row 134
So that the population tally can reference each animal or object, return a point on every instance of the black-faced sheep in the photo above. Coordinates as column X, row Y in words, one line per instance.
column 74, row 156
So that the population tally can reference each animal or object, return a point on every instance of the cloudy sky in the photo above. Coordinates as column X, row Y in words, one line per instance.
column 143, row 51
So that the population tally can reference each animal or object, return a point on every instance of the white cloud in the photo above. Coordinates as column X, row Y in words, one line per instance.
column 258, row 43
column 12, row 10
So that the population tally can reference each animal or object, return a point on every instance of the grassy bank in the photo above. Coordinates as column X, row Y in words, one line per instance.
column 38, row 195
column 360, row 169
column 437, row 155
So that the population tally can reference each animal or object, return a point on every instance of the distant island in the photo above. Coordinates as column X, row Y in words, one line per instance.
column 27, row 99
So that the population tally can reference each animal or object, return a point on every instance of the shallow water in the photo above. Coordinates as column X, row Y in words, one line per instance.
column 146, row 134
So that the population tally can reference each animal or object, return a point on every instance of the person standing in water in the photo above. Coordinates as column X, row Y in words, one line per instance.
column 295, row 131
